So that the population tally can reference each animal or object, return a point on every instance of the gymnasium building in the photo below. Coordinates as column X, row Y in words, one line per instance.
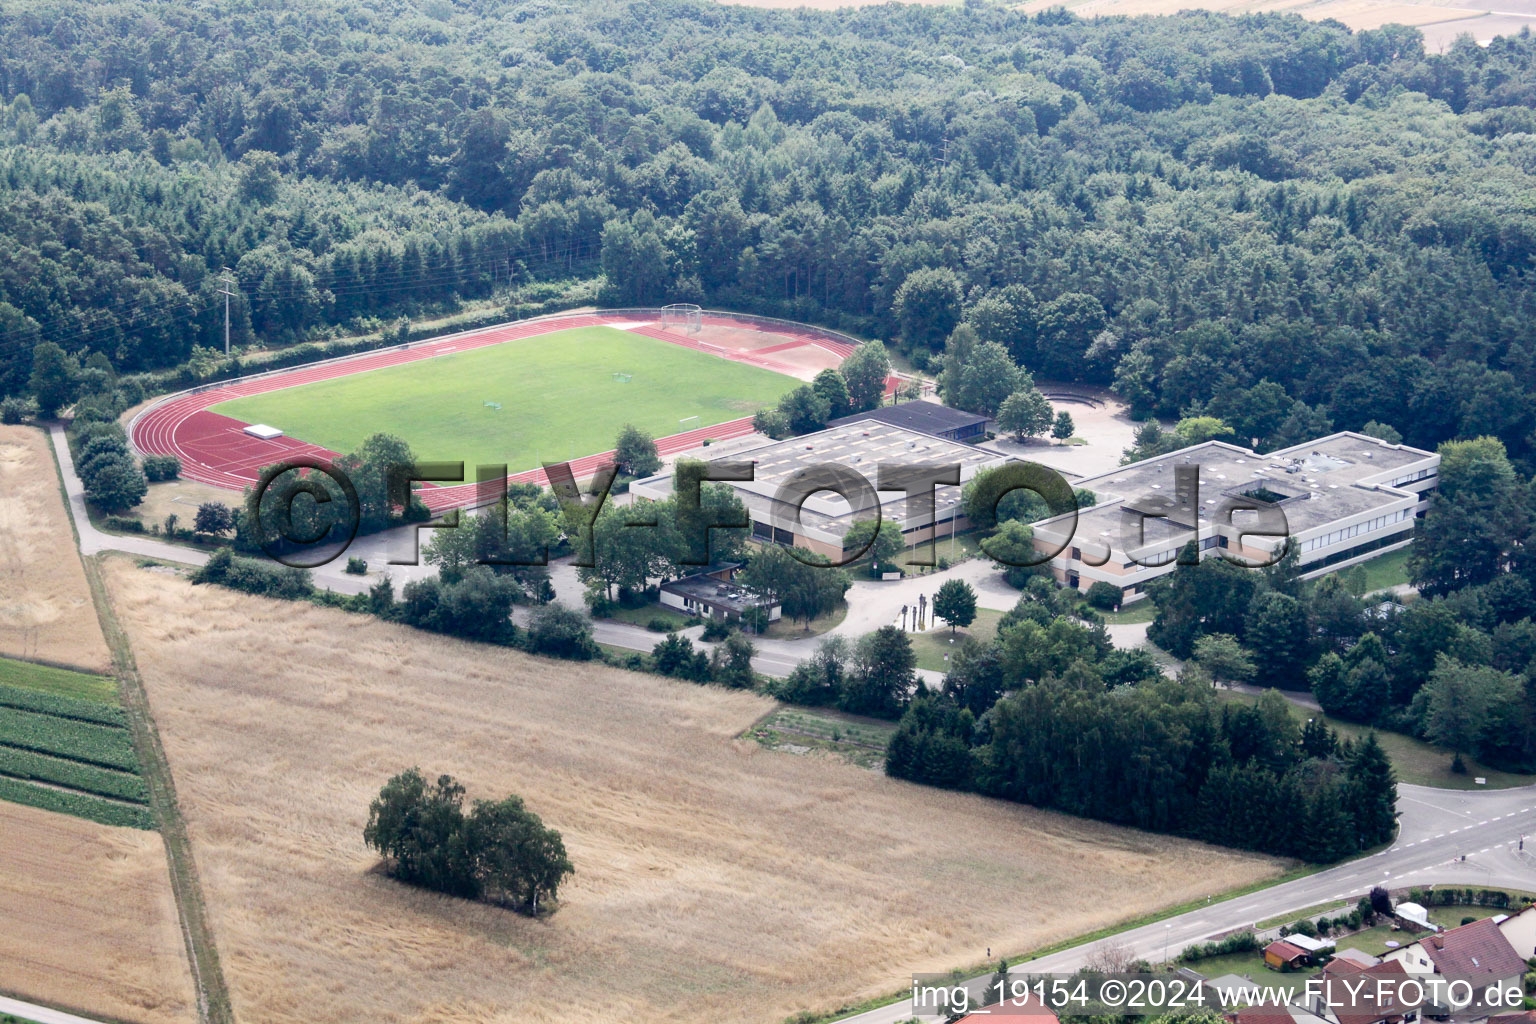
column 1346, row 498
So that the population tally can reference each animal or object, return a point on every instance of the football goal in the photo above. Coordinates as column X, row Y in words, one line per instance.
column 682, row 314
column 623, row 378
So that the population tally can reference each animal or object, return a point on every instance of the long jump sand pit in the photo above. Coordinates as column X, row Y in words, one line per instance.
column 87, row 920
column 46, row 612
column 716, row 880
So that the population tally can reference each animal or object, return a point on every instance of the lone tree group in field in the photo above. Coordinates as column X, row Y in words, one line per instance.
column 500, row 852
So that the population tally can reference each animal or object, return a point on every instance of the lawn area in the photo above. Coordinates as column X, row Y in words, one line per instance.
column 643, row 615
column 558, row 396
column 1385, row 571
column 1251, row 965
column 1450, row 916
column 1416, row 762
column 953, row 549
column 1389, row 570
column 796, row 629
column 801, row 730
column 932, row 646
column 1142, row 611
column 28, row 676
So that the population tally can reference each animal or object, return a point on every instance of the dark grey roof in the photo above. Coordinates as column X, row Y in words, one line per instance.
column 924, row 417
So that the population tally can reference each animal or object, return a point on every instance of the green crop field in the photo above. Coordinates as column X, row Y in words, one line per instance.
column 558, row 396
column 64, row 746
column 61, row 681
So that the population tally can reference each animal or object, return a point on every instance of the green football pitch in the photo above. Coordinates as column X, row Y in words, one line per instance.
column 558, row 393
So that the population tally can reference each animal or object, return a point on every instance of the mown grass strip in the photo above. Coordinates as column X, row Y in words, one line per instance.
column 29, row 766
column 62, row 707
column 81, row 805
column 66, row 737
column 64, row 682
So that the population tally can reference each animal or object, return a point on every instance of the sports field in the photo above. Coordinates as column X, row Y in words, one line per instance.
column 558, row 394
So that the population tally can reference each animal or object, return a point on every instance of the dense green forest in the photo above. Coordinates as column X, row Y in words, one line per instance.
column 1256, row 218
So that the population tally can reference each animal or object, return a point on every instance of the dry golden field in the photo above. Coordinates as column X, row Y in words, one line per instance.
column 45, row 604
column 716, row 880
column 87, row 919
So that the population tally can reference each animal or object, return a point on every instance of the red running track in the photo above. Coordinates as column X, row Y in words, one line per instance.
column 214, row 449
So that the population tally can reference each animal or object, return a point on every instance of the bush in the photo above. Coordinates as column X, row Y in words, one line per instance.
column 114, row 484
column 731, row 662
column 675, row 656
column 126, row 524
column 1237, row 942
column 660, row 625
column 600, row 604
column 13, row 410
column 478, row 606
column 254, row 577
column 718, row 629
column 161, row 467
column 357, row 566
column 561, row 632
column 1104, row 596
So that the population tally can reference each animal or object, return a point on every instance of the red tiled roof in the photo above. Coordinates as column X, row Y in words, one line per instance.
column 1360, row 1007
column 1527, row 1017
column 1264, row 1013
column 1284, row 950
column 1474, row 951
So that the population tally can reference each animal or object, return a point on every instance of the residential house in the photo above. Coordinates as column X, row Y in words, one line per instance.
column 1346, row 992
column 1520, row 929
column 1478, row 953
column 1275, row 1013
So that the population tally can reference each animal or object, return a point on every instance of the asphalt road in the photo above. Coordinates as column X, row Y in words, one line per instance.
column 40, row 1014
column 1437, row 828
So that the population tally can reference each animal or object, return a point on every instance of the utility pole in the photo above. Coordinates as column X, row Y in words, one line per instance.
column 227, row 281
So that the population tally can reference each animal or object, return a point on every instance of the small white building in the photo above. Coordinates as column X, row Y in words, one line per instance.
column 1312, row 945
column 712, row 595
column 1416, row 916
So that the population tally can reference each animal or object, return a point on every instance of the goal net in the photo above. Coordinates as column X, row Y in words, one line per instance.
column 682, row 314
